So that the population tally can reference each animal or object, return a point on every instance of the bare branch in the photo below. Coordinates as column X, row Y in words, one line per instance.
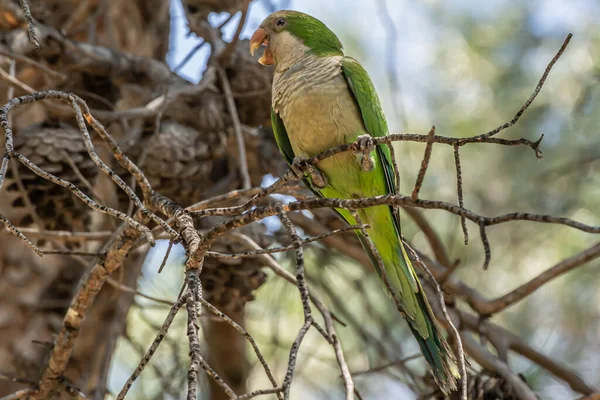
column 530, row 100
column 459, row 190
column 424, row 165
column 30, row 24
column 15, row 231
column 248, row 337
column 237, row 126
column 83, row 197
column 499, row 304
column 91, row 285
column 437, row 246
column 224, row 56
column 66, row 235
column 261, row 251
column 486, row 245
column 154, row 346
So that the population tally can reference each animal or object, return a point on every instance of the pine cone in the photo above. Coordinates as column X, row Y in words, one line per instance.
column 230, row 284
column 206, row 112
column 251, row 86
column 180, row 162
column 481, row 387
column 199, row 9
column 47, row 146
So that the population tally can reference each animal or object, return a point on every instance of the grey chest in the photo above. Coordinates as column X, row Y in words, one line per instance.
column 316, row 106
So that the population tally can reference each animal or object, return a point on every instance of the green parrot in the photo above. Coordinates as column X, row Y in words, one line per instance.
column 322, row 99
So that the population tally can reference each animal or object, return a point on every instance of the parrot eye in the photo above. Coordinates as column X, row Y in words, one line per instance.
column 280, row 22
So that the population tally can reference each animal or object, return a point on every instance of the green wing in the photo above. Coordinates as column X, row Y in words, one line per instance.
column 283, row 142
column 281, row 137
column 364, row 92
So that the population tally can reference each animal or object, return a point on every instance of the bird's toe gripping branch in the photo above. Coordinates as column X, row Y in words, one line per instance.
column 302, row 168
column 365, row 146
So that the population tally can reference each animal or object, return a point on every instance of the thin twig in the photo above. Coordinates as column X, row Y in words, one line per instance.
column 36, row 64
column 304, row 297
column 459, row 191
column 486, row 245
column 30, row 24
column 189, row 56
column 424, row 165
column 154, row 346
column 254, row 253
column 13, row 229
column 388, row 365
column 82, row 113
column 73, row 253
column 232, row 195
column 124, row 288
column 248, row 337
column 83, row 197
column 520, row 293
column 237, row 128
column 66, row 235
column 196, row 360
column 25, row 195
column 285, row 274
column 399, row 200
column 531, row 98
column 82, row 178
column 166, row 257
column 261, row 392
column 10, row 78
column 437, row 246
column 224, row 56
column 4, row 168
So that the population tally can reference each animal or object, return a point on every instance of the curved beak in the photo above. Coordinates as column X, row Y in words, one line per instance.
column 259, row 38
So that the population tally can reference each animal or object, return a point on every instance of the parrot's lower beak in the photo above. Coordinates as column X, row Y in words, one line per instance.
column 259, row 38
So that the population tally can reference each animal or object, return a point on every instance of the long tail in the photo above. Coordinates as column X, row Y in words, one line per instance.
column 435, row 348
column 418, row 312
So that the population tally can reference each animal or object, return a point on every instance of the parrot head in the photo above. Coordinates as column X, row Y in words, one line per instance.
column 290, row 35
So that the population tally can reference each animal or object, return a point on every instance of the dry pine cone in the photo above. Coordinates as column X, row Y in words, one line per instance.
column 230, row 284
column 480, row 387
column 251, row 86
column 49, row 146
column 180, row 162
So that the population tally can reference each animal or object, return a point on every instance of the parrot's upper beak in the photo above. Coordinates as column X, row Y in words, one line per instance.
column 259, row 38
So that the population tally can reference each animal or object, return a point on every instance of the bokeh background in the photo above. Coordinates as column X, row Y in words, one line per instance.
column 465, row 66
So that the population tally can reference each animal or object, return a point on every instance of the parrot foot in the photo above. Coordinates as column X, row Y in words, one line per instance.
column 366, row 146
column 301, row 167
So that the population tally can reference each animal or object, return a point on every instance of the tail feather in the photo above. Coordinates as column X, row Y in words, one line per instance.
column 421, row 319
column 435, row 349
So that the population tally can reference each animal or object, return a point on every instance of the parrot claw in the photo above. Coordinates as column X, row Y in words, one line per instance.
column 366, row 146
column 301, row 167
